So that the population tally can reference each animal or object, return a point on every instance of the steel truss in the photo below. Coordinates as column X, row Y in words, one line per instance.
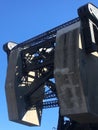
column 37, row 56
column 37, row 65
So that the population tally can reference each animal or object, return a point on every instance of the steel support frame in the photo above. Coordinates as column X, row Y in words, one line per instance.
column 37, row 56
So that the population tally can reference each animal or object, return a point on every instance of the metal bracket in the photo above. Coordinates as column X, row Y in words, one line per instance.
column 89, row 20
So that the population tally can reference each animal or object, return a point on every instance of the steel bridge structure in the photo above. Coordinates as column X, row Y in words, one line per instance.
column 31, row 73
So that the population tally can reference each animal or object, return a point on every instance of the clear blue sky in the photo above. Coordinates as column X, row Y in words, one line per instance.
column 24, row 19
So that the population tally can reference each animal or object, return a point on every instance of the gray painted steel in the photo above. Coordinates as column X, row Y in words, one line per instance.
column 76, row 75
